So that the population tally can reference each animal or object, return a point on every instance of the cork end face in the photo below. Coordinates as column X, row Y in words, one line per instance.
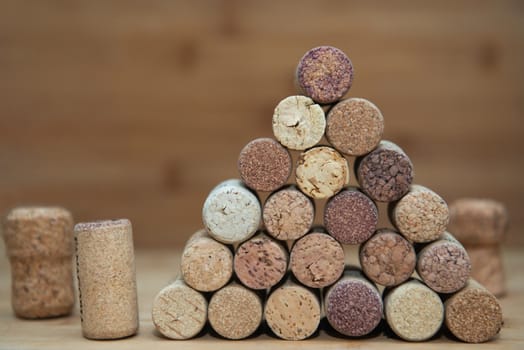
column 34, row 212
column 102, row 225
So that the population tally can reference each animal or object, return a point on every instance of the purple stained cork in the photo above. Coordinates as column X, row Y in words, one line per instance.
column 264, row 164
column 350, row 216
column 386, row 173
column 325, row 74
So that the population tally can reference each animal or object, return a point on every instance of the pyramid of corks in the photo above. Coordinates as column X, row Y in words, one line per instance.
column 265, row 265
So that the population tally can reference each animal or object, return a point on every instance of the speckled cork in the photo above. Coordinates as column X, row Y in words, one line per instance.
column 106, row 267
column 321, row 172
column 298, row 122
column 473, row 314
column 231, row 212
column 444, row 265
column 353, row 305
column 264, row 165
column 487, row 267
column 317, row 260
column 421, row 215
column 325, row 74
column 386, row 173
column 179, row 311
column 288, row 214
column 261, row 262
column 206, row 264
column 350, row 216
column 354, row 126
column 387, row 258
column 413, row 311
column 39, row 244
column 235, row 312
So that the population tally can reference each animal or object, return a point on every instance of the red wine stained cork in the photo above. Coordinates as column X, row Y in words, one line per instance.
column 298, row 123
column 353, row 305
column 264, row 164
column 106, row 267
column 231, row 212
column 350, row 216
column 487, row 267
column 413, row 311
column 421, row 215
column 478, row 221
column 386, row 173
column 321, row 172
column 473, row 314
column 387, row 258
column 325, row 74
column 39, row 244
column 260, row 262
column 317, row 260
column 235, row 312
column 354, row 126
column 288, row 214
column 292, row 311
column 206, row 264
column 444, row 265
column 179, row 311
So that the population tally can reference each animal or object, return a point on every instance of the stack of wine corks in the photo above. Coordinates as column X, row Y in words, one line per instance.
column 269, row 261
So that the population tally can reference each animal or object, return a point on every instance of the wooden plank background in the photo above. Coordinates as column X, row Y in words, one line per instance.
column 138, row 108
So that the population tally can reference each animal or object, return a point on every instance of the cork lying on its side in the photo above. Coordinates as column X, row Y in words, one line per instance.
column 487, row 267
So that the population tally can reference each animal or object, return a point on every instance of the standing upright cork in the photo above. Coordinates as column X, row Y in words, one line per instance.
column 39, row 243
column 487, row 267
column 106, row 279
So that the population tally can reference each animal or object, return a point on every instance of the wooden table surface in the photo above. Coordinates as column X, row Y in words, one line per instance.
column 154, row 270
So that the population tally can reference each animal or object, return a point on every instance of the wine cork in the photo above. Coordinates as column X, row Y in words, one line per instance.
column 325, row 74
column 421, row 215
column 386, row 173
column 179, row 311
column 487, row 267
column 298, row 123
column 353, row 305
column 235, row 312
column 354, row 126
column 387, row 258
column 264, row 164
column 292, row 311
column 288, row 214
column 478, row 221
column 444, row 265
column 473, row 314
column 350, row 216
column 260, row 262
column 321, row 172
column 206, row 264
column 106, row 267
column 39, row 244
column 413, row 311
column 231, row 212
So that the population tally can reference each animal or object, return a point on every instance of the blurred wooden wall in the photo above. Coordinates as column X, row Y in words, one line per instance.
column 138, row 108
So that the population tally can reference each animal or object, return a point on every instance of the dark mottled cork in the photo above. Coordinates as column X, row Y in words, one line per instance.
column 473, row 314
column 350, row 216
column 325, row 74
column 260, row 262
column 264, row 164
column 487, row 267
column 288, row 214
column 317, row 260
column 387, row 258
column 354, row 126
column 353, row 305
column 386, row 173
column 444, row 265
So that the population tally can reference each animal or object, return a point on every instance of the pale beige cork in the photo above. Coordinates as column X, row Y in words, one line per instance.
column 322, row 172
column 473, row 314
column 179, row 311
column 106, row 279
column 206, row 264
column 298, row 122
column 487, row 267
column 39, row 243
column 235, row 312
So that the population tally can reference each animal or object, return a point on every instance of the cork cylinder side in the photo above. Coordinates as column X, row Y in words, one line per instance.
column 487, row 267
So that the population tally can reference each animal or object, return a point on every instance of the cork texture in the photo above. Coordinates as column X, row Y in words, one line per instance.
column 487, row 267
